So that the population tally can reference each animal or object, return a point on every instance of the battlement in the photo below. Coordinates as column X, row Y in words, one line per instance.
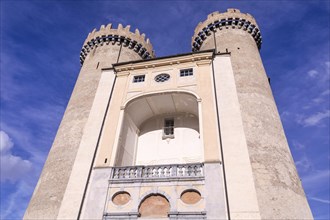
column 121, row 35
column 233, row 18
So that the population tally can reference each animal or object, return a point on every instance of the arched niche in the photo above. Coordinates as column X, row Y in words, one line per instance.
column 147, row 136
column 154, row 206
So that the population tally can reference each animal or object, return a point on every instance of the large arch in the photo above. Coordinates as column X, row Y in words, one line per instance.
column 160, row 128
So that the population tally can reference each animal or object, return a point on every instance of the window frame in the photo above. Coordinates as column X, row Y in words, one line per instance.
column 162, row 77
column 168, row 128
column 186, row 72
column 139, row 78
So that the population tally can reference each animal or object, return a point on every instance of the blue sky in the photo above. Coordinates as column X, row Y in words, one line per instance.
column 40, row 46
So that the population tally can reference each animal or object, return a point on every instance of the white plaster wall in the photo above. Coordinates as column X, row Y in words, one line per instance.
column 238, row 168
column 185, row 147
column 127, row 143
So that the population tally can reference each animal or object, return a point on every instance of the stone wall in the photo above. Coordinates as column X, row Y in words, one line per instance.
column 279, row 190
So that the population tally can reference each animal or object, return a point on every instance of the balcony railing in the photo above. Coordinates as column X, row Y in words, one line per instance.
column 193, row 171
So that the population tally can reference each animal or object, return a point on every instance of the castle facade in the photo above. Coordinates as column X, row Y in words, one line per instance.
column 190, row 136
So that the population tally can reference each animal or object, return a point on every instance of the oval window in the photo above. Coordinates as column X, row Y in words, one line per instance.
column 162, row 77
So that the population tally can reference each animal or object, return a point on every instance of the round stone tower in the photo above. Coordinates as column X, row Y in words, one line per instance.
column 108, row 46
column 279, row 191
column 101, row 49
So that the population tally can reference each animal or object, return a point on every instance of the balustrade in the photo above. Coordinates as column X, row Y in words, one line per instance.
column 158, row 172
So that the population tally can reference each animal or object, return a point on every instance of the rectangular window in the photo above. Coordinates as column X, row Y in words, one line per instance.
column 168, row 131
column 186, row 72
column 138, row 78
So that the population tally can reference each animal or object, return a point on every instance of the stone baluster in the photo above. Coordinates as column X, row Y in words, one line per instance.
column 180, row 170
column 156, row 172
column 149, row 172
column 139, row 172
column 121, row 175
column 168, row 171
column 174, row 171
column 162, row 171
column 189, row 171
column 116, row 173
column 195, row 170
column 132, row 173
column 127, row 173
column 199, row 170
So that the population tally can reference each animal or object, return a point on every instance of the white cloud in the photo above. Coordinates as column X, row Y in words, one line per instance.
column 316, row 118
column 5, row 142
column 312, row 73
column 13, row 168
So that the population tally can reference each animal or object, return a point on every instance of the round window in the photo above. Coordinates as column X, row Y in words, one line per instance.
column 190, row 196
column 162, row 77
column 121, row 198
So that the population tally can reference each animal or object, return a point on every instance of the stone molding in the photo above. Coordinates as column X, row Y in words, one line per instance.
column 187, row 215
column 233, row 18
column 119, row 36
column 121, row 215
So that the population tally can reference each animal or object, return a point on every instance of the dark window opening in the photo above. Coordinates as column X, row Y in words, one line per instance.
column 168, row 131
column 139, row 78
column 186, row 72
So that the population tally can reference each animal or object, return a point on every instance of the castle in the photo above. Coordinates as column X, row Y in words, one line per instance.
column 190, row 136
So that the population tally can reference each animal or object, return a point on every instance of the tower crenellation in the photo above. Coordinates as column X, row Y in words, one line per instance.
column 122, row 35
column 217, row 21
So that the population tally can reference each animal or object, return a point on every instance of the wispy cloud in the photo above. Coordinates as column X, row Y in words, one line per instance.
column 317, row 178
column 304, row 164
column 326, row 92
column 315, row 119
column 312, row 73
column 326, row 201
column 16, row 203
column 297, row 145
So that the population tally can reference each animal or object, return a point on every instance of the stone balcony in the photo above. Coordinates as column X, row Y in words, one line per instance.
column 157, row 173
